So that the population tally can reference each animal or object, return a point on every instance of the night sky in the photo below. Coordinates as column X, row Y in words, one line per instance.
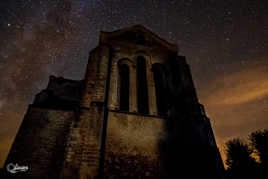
column 224, row 41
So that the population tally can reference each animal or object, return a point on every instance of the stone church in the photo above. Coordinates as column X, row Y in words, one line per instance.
column 135, row 115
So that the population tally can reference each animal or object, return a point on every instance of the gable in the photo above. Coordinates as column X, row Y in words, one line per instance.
column 138, row 35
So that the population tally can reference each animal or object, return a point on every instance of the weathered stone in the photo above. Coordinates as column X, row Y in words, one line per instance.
column 81, row 129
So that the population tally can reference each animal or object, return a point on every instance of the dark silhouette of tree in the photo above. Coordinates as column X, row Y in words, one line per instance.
column 259, row 140
column 239, row 160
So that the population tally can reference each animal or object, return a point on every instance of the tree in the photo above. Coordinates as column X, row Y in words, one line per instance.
column 259, row 140
column 239, row 160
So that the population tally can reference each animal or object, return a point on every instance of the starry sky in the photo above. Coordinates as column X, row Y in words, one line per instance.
column 225, row 43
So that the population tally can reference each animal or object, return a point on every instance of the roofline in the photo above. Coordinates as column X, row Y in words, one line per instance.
column 173, row 47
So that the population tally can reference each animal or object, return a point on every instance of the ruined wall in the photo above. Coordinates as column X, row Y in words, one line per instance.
column 132, row 145
column 84, row 142
column 142, row 146
column 40, row 143
column 130, row 51
column 134, row 140
column 190, row 140
column 136, row 145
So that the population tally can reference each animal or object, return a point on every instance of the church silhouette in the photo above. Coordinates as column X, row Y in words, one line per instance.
column 134, row 115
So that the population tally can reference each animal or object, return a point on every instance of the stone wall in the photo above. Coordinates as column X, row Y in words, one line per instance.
column 132, row 145
column 40, row 143
column 84, row 143
column 129, row 51
column 74, row 143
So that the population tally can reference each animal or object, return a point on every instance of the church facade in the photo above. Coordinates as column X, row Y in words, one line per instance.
column 134, row 115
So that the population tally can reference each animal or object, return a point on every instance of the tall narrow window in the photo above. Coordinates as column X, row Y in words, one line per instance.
column 142, row 89
column 159, row 89
column 124, row 87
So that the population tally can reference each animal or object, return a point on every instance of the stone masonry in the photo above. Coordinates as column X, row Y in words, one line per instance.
column 135, row 115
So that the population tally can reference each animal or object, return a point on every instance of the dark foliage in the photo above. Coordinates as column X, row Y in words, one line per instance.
column 240, row 160
column 259, row 140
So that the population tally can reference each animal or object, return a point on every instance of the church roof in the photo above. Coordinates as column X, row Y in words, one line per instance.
column 137, row 29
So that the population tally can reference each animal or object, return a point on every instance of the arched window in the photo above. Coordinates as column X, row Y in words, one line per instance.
column 124, row 87
column 142, row 89
column 159, row 89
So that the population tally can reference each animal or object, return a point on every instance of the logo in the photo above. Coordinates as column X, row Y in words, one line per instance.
column 15, row 168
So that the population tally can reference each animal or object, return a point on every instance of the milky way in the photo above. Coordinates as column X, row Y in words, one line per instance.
column 225, row 42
